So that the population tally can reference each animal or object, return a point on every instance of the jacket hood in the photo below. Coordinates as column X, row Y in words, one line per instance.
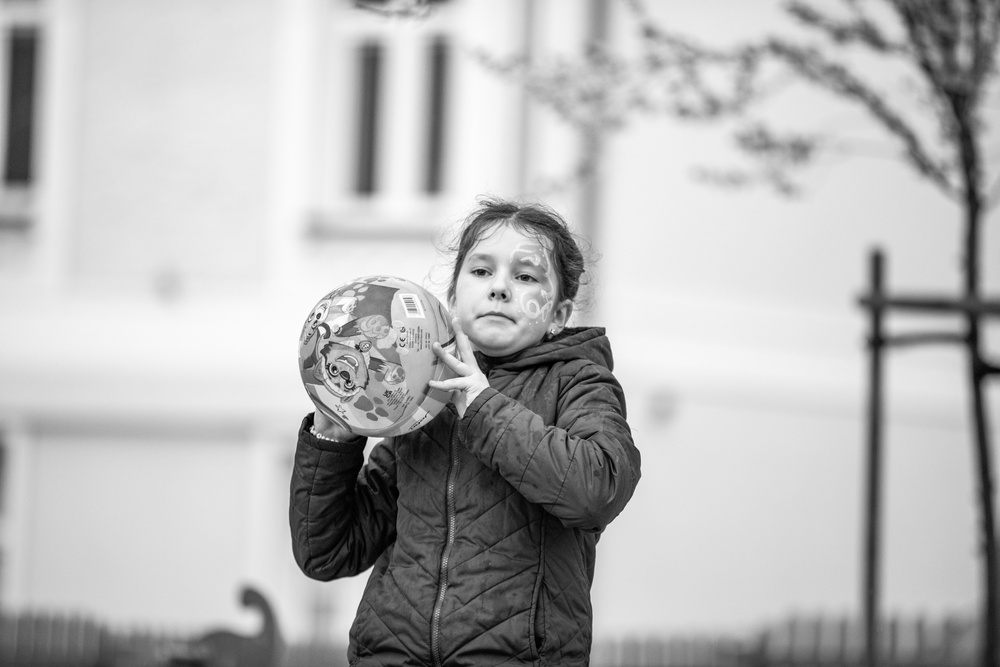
column 589, row 343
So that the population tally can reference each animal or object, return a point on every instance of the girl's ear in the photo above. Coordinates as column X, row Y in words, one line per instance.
column 561, row 316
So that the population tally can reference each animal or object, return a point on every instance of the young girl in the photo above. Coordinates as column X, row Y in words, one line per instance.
column 481, row 527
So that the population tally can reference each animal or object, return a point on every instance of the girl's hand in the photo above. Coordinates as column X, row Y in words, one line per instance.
column 330, row 429
column 470, row 381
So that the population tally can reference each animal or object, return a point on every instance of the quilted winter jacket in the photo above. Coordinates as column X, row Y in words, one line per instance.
column 480, row 531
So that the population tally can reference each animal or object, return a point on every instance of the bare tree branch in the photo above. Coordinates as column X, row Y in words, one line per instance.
column 684, row 63
column 857, row 30
column 812, row 66
column 775, row 156
column 678, row 77
column 402, row 9
column 598, row 93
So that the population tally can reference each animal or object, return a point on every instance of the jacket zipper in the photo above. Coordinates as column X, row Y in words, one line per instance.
column 446, row 554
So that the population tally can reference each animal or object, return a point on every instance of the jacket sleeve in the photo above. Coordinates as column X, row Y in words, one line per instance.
column 583, row 469
column 342, row 513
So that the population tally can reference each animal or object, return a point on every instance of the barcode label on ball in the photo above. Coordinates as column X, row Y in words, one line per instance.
column 412, row 306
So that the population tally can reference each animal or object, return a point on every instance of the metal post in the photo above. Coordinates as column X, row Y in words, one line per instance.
column 876, row 342
column 523, row 175
column 592, row 151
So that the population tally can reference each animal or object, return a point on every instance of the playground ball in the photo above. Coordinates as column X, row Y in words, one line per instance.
column 365, row 355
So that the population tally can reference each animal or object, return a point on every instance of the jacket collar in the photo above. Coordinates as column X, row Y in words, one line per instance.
column 572, row 343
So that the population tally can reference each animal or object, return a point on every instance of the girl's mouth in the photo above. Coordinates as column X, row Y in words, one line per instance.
column 497, row 315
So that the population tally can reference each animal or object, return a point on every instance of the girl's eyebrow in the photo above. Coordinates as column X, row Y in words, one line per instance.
column 479, row 257
column 528, row 260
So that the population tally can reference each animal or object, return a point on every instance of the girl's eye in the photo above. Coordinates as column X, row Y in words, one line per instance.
column 527, row 278
column 480, row 272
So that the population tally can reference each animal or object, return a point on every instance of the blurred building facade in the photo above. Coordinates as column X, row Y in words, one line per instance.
column 184, row 179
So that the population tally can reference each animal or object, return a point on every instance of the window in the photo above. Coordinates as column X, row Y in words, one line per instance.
column 383, row 128
column 436, row 120
column 22, row 54
column 21, row 43
column 369, row 71
column 370, row 124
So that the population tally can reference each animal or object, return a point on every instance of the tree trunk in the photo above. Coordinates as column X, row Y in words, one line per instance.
column 977, row 377
column 984, row 464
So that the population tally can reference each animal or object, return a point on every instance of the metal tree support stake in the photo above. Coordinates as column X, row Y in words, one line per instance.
column 878, row 304
column 873, row 461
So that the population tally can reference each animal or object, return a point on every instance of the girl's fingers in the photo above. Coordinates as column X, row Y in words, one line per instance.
column 449, row 359
column 462, row 344
column 465, row 349
column 446, row 385
column 469, row 381
column 460, row 383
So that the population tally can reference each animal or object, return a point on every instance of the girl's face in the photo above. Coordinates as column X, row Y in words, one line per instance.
column 505, row 293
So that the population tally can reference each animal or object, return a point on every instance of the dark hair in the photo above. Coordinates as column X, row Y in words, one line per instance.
column 536, row 219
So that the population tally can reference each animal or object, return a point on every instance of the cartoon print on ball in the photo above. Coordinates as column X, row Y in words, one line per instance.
column 328, row 316
column 371, row 315
column 345, row 372
column 314, row 320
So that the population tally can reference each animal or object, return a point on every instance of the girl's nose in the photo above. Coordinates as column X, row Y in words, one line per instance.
column 500, row 291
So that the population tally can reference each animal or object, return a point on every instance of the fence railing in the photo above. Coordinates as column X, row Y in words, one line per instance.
column 805, row 642
column 53, row 640
column 61, row 640
column 38, row 639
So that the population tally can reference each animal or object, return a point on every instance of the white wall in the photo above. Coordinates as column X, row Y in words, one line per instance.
column 147, row 383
